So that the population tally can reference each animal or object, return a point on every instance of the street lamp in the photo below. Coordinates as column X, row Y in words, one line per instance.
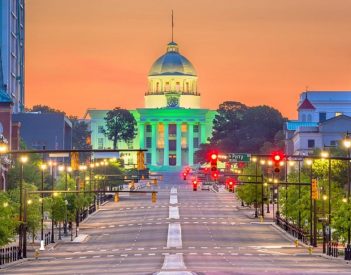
column 23, row 159
column 52, row 164
column 42, row 243
column 347, row 145
column 309, row 162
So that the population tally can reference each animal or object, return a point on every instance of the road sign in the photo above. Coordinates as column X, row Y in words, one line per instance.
column 315, row 194
column 236, row 157
column 58, row 155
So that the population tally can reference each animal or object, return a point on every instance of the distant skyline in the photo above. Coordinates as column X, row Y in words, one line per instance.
column 97, row 53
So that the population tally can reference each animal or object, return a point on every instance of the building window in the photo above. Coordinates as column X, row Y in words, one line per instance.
column 196, row 142
column 100, row 129
column 100, row 143
column 187, row 87
column 322, row 117
column 338, row 113
column 309, row 117
column 333, row 143
column 303, row 118
column 184, row 128
column 148, row 128
column 157, row 87
column 310, row 143
column 196, row 128
column 148, row 158
column 167, row 87
column 148, row 142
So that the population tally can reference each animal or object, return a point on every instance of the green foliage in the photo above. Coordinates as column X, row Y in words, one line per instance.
column 120, row 126
column 238, row 128
column 8, row 221
column 31, row 171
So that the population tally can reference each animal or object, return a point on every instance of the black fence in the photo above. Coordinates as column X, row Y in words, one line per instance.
column 47, row 238
column 333, row 249
column 9, row 254
column 292, row 229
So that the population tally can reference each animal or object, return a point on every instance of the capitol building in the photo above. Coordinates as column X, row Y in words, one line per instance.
column 172, row 124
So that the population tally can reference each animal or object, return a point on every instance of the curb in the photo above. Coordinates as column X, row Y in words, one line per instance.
column 288, row 236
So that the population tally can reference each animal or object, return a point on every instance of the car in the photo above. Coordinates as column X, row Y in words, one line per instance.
column 206, row 185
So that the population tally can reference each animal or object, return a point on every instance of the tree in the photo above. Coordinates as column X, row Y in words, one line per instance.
column 80, row 136
column 8, row 222
column 45, row 109
column 120, row 126
column 238, row 128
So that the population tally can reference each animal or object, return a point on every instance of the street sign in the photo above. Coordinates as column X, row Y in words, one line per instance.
column 239, row 157
column 58, row 155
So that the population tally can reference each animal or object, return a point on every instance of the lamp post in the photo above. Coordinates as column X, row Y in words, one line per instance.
column 42, row 242
column 23, row 160
column 52, row 164
column 309, row 162
column 347, row 144
column 256, row 191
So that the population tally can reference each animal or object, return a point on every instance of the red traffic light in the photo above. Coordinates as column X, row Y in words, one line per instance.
column 184, row 174
column 277, row 157
column 214, row 156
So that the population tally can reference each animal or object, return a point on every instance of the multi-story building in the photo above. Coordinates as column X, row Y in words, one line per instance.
column 172, row 125
column 12, row 50
column 323, row 119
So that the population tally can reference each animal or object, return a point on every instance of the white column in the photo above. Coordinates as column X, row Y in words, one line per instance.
column 153, row 143
column 179, row 144
column 203, row 133
column 166, row 145
column 190, row 143
column 141, row 135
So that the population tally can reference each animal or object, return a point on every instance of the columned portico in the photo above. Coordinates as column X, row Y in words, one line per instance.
column 166, row 145
column 153, row 143
column 190, row 143
column 179, row 144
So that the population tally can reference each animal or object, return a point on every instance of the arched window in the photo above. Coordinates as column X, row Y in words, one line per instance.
column 157, row 87
column 303, row 117
column 187, row 87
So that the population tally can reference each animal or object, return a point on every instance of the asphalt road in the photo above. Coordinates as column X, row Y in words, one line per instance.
column 184, row 232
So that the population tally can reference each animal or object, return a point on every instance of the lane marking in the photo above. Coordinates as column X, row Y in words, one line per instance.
column 174, row 261
column 173, row 199
column 174, row 238
column 174, row 190
column 173, row 212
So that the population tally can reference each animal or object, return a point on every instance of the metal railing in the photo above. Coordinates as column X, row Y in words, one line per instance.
column 9, row 254
column 293, row 230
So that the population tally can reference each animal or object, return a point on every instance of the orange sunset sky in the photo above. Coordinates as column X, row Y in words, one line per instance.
column 96, row 53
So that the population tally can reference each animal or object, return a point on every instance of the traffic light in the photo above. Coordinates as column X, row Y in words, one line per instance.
column 140, row 160
column 277, row 158
column 231, row 184
column 213, row 160
column 184, row 175
column 195, row 185
column 315, row 194
column 214, row 175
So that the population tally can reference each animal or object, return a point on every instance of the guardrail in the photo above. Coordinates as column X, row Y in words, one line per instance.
column 292, row 229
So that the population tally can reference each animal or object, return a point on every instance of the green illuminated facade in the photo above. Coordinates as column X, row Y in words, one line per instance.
column 172, row 125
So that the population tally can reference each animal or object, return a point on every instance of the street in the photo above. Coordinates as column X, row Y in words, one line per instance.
column 184, row 232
